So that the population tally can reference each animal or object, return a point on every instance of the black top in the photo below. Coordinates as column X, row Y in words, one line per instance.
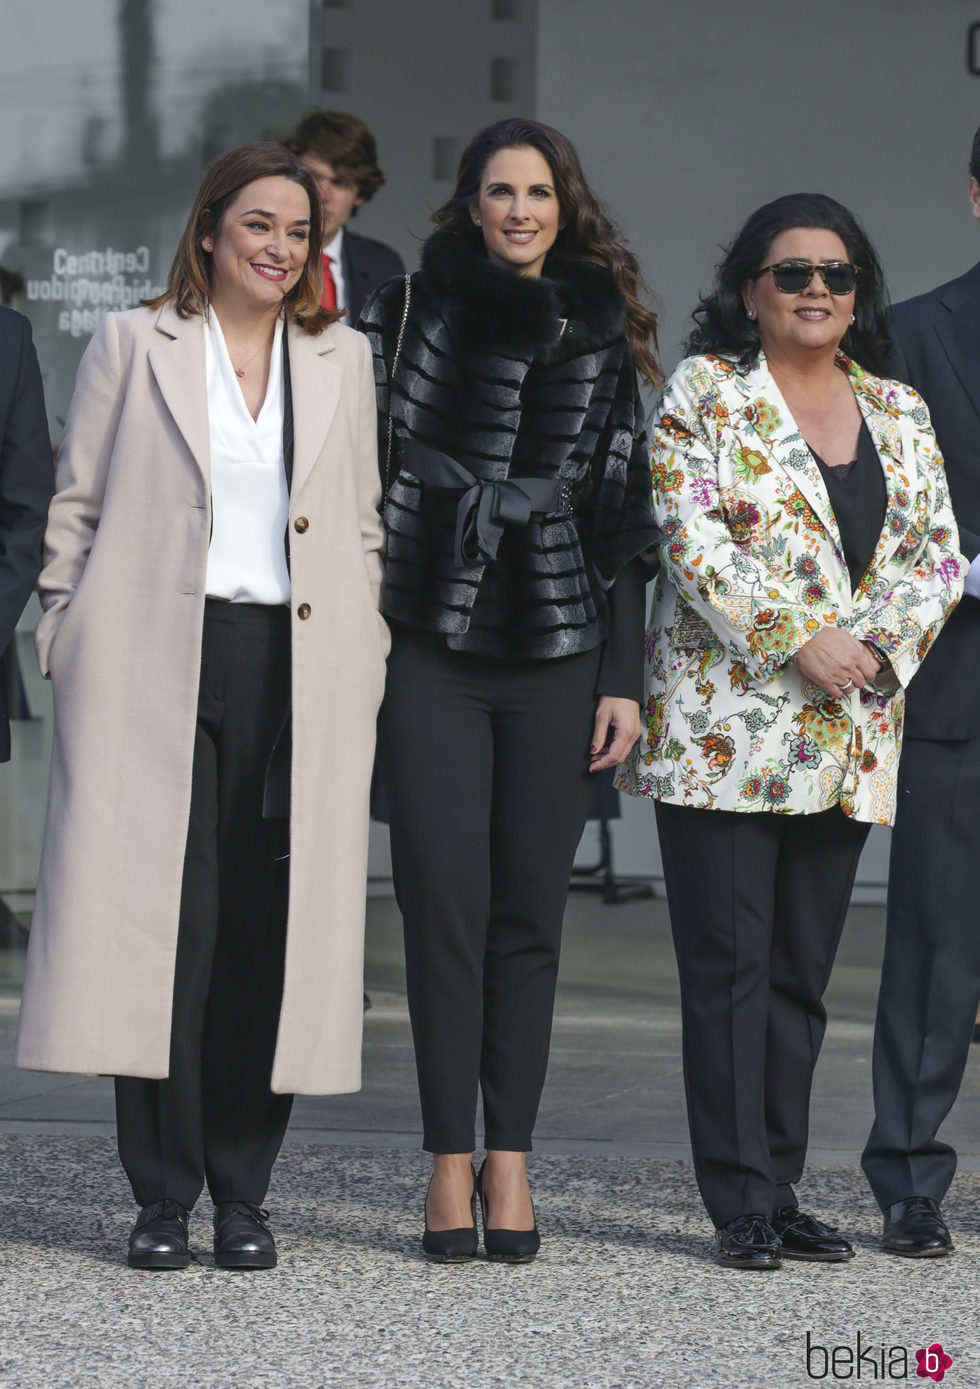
column 859, row 497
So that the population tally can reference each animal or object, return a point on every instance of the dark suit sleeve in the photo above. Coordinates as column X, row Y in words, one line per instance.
column 621, row 664
column 26, row 475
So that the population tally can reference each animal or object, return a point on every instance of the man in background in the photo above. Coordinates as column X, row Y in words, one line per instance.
column 26, row 482
column 930, row 983
column 340, row 153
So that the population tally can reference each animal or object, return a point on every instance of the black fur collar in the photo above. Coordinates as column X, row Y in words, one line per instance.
column 493, row 307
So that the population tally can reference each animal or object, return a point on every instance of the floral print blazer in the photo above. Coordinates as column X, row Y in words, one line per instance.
column 753, row 567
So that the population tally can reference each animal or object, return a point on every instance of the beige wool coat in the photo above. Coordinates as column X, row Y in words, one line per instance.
column 126, row 555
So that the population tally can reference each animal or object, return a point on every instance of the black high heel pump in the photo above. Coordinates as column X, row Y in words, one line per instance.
column 507, row 1246
column 452, row 1246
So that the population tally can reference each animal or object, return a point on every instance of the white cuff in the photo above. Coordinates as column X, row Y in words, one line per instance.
column 972, row 583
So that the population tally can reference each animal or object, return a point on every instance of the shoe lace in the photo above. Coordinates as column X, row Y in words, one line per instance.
column 244, row 1208
column 166, row 1210
column 916, row 1205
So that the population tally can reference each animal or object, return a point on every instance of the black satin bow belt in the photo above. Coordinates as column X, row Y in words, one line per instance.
column 485, row 508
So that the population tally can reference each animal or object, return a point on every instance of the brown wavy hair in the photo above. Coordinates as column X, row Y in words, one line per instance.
column 588, row 232
column 189, row 282
column 343, row 140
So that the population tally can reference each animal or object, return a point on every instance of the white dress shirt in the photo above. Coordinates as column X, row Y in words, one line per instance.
column 335, row 254
column 249, row 496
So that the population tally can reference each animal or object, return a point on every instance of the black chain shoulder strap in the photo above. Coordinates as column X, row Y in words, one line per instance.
column 391, row 380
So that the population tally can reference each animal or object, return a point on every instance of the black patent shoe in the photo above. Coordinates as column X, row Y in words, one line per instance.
column 159, row 1237
column 805, row 1237
column 242, row 1238
column 915, row 1229
column 451, row 1246
column 748, row 1241
column 507, row 1246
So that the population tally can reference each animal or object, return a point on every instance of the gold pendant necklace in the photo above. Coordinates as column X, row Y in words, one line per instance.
column 240, row 371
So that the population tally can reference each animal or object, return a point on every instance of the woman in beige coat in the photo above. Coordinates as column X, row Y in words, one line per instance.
column 212, row 566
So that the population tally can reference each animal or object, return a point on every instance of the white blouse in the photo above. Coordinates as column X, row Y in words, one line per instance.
column 249, row 496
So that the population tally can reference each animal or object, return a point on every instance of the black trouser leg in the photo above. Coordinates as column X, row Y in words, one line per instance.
column 930, row 980
column 542, row 791
column 818, row 861
column 439, row 818
column 740, row 924
column 485, row 765
column 214, row 1115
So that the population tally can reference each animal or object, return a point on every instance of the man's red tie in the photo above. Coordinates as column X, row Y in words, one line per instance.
column 328, row 299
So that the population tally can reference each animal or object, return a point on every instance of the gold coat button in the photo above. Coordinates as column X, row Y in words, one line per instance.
column 301, row 524
column 303, row 611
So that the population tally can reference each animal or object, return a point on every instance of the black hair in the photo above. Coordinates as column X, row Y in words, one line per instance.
column 723, row 328
column 975, row 156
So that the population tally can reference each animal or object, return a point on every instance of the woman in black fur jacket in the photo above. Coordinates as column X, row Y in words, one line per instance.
column 519, row 542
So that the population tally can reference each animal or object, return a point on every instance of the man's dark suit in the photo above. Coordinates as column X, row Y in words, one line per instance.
column 26, row 481
column 367, row 264
column 931, row 975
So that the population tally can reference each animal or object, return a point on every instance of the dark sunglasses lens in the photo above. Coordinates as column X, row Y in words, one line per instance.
column 839, row 278
column 791, row 277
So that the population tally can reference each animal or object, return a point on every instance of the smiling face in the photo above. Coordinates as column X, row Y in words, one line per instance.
column 518, row 209
column 813, row 320
column 260, row 246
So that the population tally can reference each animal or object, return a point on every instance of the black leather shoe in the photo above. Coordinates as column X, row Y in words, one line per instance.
column 456, row 1246
column 805, row 1237
column 242, row 1238
column 748, row 1241
column 159, row 1237
column 915, row 1228
column 507, row 1246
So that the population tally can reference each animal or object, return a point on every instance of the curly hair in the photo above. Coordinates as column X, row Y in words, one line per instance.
column 189, row 282
column 344, row 141
column 723, row 328
column 587, row 234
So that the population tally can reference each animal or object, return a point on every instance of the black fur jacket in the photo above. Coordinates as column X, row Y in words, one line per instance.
column 511, row 377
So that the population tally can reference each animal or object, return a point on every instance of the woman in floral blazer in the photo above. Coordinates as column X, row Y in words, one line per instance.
column 810, row 558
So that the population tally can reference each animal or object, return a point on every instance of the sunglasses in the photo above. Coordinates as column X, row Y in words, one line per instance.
column 793, row 276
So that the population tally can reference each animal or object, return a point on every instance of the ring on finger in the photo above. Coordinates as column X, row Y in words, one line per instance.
column 848, row 686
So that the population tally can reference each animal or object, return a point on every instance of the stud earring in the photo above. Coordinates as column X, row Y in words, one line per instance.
column 750, row 312
column 476, row 221
column 852, row 318
column 208, row 245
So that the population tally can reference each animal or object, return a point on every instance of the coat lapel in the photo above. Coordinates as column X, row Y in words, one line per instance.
column 763, row 408
column 316, row 383
column 177, row 362
column 960, row 338
column 894, row 439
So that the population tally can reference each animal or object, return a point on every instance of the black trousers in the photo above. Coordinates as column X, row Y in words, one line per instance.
column 757, row 904
column 930, row 980
column 485, row 765
column 215, row 1118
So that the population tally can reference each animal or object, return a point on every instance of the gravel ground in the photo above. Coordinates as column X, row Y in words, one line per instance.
column 623, row 1294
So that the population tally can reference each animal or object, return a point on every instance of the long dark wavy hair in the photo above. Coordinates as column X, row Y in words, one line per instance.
column 723, row 328
column 588, row 233
column 189, row 282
